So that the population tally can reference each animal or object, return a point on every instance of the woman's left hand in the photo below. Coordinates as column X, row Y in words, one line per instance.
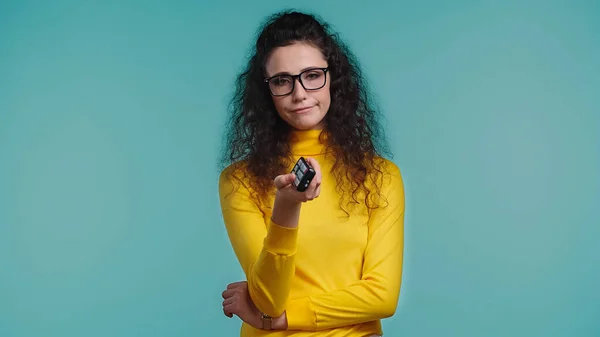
column 237, row 301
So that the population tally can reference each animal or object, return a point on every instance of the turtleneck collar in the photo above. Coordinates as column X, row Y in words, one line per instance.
column 307, row 142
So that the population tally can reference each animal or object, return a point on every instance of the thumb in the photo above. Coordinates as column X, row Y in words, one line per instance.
column 284, row 180
column 290, row 177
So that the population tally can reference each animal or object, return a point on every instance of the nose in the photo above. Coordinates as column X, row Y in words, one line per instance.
column 299, row 94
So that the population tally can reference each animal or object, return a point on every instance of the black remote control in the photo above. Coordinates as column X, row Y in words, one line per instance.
column 304, row 174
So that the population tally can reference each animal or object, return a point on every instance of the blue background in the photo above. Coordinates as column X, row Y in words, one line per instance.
column 110, row 121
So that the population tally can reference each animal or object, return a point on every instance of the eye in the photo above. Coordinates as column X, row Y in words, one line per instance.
column 280, row 81
column 313, row 75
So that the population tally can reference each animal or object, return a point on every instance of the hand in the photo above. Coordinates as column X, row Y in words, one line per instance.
column 287, row 192
column 288, row 201
column 237, row 301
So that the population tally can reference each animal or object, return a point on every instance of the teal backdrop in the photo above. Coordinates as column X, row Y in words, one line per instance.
column 111, row 115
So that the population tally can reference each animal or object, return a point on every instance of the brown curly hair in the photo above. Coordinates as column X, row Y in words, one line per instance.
column 259, row 138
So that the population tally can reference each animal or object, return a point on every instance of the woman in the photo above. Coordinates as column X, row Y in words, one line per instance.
column 326, row 261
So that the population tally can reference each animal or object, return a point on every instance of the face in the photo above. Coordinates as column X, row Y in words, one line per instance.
column 303, row 109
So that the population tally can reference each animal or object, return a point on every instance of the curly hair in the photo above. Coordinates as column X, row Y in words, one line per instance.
column 258, row 137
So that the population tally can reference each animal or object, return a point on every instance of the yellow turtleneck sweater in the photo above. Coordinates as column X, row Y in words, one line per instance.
column 333, row 275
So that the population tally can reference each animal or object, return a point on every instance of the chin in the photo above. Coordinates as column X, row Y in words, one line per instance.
column 303, row 127
column 306, row 125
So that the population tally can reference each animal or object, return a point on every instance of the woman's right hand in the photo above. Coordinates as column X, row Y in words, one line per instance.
column 286, row 208
column 286, row 190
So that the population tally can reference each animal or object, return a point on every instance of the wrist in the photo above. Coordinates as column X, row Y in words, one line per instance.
column 286, row 212
column 280, row 323
column 265, row 322
column 282, row 200
column 257, row 320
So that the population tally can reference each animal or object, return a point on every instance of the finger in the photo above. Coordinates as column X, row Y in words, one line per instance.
column 236, row 284
column 315, row 165
column 280, row 181
column 284, row 180
column 227, row 313
column 228, row 301
column 230, row 310
column 318, row 192
column 228, row 293
column 311, row 191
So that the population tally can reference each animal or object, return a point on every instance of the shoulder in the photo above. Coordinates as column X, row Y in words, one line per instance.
column 237, row 170
column 232, row 177
column 388, row 168
column 391, row 178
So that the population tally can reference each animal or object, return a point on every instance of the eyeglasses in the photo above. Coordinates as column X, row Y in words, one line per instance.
column 310, row 79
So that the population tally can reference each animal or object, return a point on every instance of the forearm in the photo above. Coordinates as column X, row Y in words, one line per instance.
column 359, row 303
column 270, row 277
column 365, row 301
column 286, row 213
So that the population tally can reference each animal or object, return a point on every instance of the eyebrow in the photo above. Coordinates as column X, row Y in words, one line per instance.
column 301, row 70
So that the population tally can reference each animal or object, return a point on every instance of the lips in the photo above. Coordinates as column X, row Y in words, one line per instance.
column 302, row 110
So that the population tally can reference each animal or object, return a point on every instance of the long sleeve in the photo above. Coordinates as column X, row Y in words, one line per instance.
column 265, row 250
column 375, row 295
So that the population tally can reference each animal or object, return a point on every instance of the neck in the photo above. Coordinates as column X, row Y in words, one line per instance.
column 308, row 142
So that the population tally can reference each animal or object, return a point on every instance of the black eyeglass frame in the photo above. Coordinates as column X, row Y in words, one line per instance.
column 298, row 76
